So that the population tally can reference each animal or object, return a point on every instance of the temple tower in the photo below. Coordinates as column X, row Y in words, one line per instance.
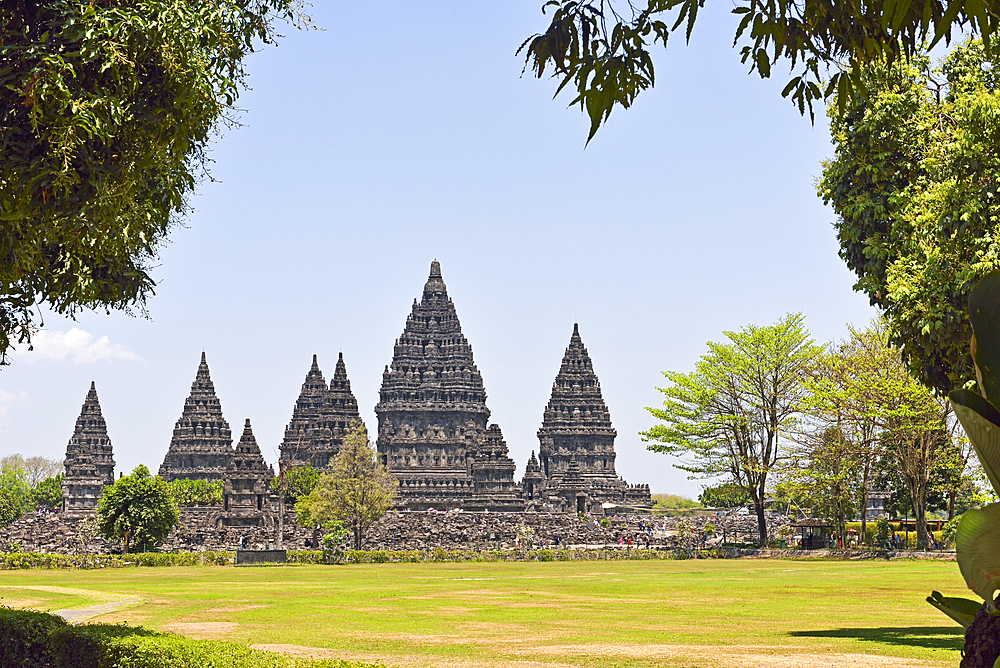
column 432, row 406
column 202, row 445
column 320, row 419
column 246, row 484
column 577, row 441
column 493, row 475
column 90, row 464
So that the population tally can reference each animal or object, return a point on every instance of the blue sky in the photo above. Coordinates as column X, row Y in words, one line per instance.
column 404, row 132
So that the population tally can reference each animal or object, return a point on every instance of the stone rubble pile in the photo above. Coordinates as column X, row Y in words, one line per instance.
column 200, row 529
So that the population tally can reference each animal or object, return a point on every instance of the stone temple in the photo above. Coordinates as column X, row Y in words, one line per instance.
column 434, row 436
column 202, row 444
column 432, row 417
column 320, row 419
column 246, row 488
column 90, row 464
column 576, row 453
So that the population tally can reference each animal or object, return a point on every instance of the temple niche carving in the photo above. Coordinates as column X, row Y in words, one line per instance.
column 576, row 454
column 90, row 464
column 321, row 418
column 202, row 444
column 432, row 415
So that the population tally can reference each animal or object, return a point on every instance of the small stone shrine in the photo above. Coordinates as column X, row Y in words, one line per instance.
column 202, row 444
column 90, row 464
column 493, row 475
column 320, row 419
column 432, row 414
column 246, row 484
column 577, row 442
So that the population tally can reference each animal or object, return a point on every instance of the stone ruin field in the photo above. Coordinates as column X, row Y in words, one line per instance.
column 730, row 613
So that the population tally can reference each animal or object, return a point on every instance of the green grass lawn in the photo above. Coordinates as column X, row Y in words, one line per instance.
column 630, row 613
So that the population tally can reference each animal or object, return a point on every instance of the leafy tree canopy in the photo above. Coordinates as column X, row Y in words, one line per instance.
column 48, row 493
column 357, row 492
column 187, row 492
column 299, row 482
column 728, row 417
column 602, row 48
column 724, row 495
column 106, row 112
column 914, row 185
column 137, row 510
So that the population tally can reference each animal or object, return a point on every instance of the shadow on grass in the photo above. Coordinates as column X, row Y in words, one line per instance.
column 933, row 637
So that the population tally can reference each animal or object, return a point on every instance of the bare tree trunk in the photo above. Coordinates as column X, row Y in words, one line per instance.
column 863, row 537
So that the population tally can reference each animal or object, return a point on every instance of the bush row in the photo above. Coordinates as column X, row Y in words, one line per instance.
column 35, row 639
column 439, row 554
column 16, row 560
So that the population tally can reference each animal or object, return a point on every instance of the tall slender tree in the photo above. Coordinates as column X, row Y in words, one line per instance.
column 358, row 490
column 731, row 416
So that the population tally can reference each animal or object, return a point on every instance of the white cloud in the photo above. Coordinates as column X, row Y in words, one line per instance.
column 8, row 399
column 77, row 345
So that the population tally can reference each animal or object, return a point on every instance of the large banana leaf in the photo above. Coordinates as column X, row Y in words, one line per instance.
column 984, row 314
column 981, row 421
column 978, row 547
column 962, row 610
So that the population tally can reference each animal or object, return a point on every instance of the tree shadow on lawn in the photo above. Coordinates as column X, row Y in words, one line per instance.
column 932, row 637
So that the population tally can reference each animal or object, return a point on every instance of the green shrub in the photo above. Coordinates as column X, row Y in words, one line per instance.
column 24, row 638
column 39, row 640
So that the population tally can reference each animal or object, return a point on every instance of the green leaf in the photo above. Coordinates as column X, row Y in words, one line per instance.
column 984, row 313
column 981, row 421
column 978, row 547
column 962, row 610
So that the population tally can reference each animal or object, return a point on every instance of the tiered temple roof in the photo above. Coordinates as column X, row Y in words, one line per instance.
column 202, row 444
column 320, row 419
column 493, row 474
column 432, row 410
column 90, row 464
column 576, row 438
column 246, row 485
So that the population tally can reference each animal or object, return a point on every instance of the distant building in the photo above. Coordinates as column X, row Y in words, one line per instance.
column 202, row 444
column 90, row 464
column 875, row 507
column 321, row 418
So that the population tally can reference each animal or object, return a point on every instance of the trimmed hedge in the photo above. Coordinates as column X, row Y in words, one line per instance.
column 39, row 640
column 16, row 560
column 439, row 554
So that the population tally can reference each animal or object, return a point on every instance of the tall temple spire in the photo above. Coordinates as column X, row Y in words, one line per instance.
column 202, row 443
column 576, row 436
column 321, row 417
column 90, row 464
column 432, row 406
column 246, row 482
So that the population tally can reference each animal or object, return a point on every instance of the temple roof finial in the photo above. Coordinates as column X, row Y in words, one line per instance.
column 203, row 361
column 435, row 269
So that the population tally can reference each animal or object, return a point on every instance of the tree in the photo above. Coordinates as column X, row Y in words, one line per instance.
column 15, row 493
column 603, row 50
column 48, row 493
column 358, row 490
column 914, row 186
column 299, row 482
column 106, row 112
column 727, row 416
column 137, row 510
column 825, row 472
column 187, row 492
column 845, row 393
column 725, row 495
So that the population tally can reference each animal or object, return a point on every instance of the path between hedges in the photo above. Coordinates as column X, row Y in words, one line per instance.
column 111, row 602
